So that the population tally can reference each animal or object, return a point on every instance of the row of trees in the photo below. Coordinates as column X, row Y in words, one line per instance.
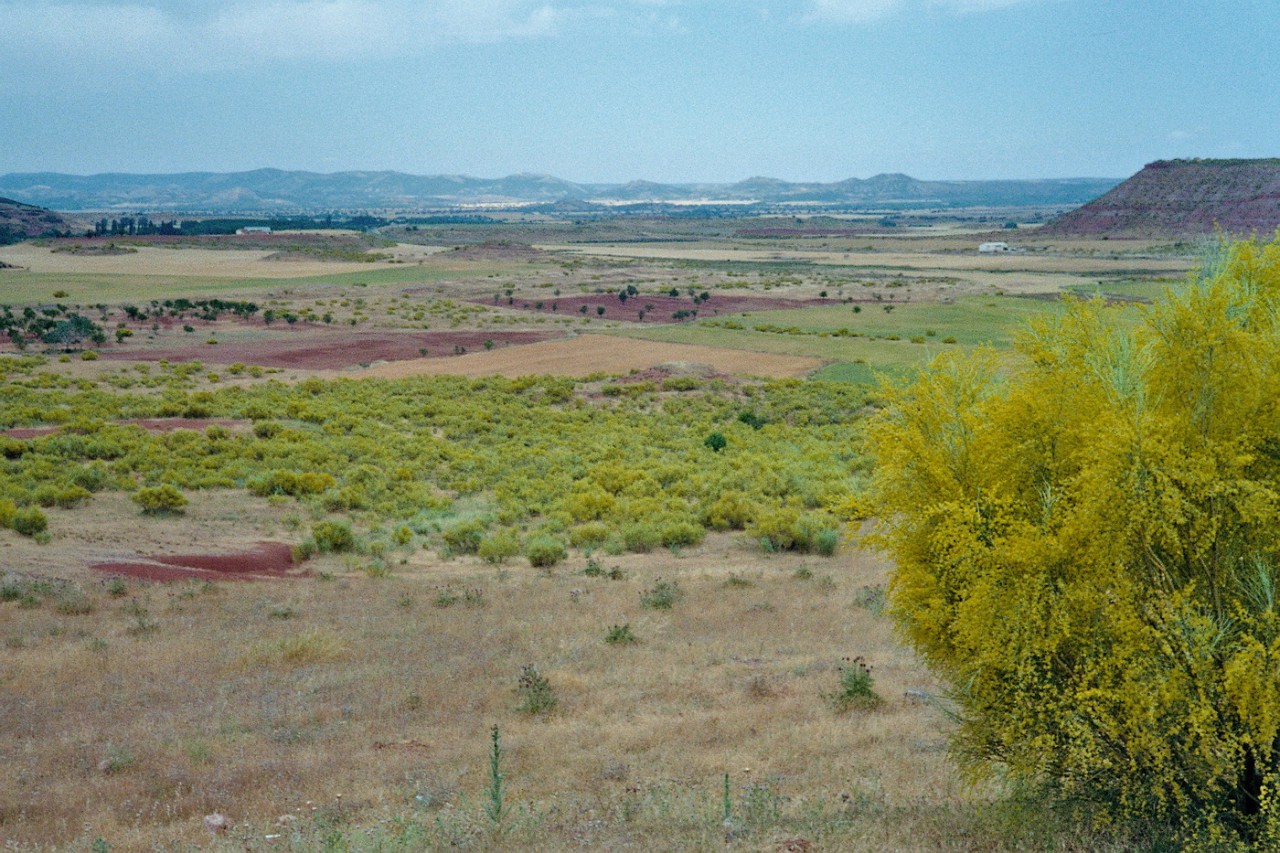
column 128, row 226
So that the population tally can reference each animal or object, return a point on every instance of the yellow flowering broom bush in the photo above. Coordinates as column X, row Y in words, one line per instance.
column 1088, row 548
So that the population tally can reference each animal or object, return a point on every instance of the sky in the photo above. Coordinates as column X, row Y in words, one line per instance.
column 617, row 90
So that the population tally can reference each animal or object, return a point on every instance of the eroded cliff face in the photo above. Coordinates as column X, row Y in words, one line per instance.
column 1183, row 198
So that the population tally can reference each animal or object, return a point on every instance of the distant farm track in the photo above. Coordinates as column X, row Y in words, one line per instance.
column 589, row 354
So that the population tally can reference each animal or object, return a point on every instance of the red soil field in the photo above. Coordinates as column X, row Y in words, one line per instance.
column 266, row 560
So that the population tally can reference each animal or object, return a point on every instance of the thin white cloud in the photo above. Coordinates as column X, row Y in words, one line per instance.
column 864, row 11
column 852, row 11
column 240, row 32
column 964, row 7
column 98, row 40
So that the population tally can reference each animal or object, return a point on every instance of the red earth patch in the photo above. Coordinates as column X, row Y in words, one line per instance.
column 266, row 560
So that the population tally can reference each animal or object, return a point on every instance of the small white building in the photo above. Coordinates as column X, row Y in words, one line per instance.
column 254, row 229
column 990, row 248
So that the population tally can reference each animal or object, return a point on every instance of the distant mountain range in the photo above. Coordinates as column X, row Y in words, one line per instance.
column 1184, row 197
column 277, row 191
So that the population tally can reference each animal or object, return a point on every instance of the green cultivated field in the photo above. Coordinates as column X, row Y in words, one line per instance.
column 872, row 340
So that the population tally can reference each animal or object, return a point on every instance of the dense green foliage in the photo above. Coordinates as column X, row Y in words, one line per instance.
column 1089, row 549
column 472, row 461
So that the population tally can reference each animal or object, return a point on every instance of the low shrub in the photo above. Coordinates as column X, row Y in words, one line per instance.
column 678, row 534
column 95, row 477
column 29, row 521
column 499, row 546
column 641, row 538
column 333, row 536
column 160, row 500
column 789, row 529
column 826, row 542
column 65, row 496
column 681, row 383
column 590, row 535
column 303, row 551
column 267, row 429
column 544, row 551
column 730, row 511
column 347, row 497
column 293, row 483
column 464, row 537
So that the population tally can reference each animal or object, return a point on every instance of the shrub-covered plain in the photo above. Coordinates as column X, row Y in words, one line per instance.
column 471, row 462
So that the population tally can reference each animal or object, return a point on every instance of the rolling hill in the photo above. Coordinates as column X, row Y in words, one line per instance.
column 20, row 221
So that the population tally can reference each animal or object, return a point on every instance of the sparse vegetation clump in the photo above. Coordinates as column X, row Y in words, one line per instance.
column 621, row 635
column 663, row 595
column 537, row 696
column 855, row 689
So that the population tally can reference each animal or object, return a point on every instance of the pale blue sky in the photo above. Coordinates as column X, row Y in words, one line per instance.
column 614, row 90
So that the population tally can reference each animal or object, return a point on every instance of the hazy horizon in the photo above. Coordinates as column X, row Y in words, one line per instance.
column 609, row 91
column 569, row 178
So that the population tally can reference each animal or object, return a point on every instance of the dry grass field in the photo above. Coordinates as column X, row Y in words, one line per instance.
column 585, row 355
column 216, row 263
column 342, row 711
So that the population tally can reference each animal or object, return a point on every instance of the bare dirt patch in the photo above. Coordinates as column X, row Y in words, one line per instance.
column 265, row 560
column 110, row 529
column 320, row 349
column 588, row 354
